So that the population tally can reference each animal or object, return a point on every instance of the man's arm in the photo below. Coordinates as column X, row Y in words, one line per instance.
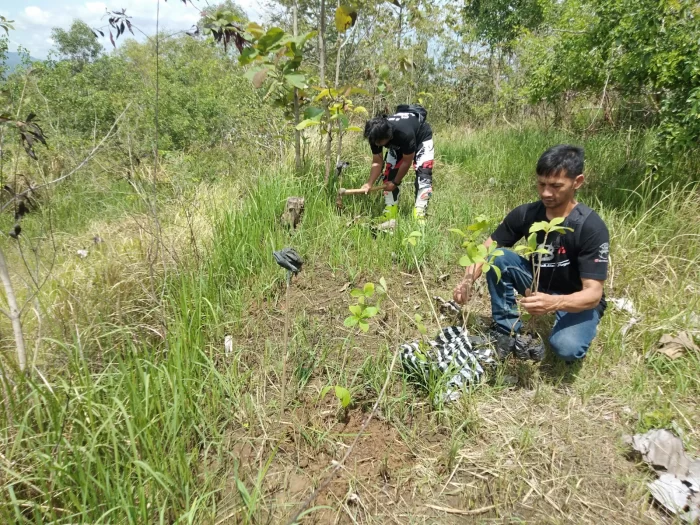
column 471, row 273
column 587, row 299
column 375, row 171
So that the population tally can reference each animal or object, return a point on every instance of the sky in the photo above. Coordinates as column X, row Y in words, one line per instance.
column 34, row 19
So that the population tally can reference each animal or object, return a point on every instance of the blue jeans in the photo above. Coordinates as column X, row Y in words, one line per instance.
column 572, row 333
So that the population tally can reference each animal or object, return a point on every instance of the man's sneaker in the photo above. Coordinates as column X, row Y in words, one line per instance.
column 419, row 215
column 390, row 212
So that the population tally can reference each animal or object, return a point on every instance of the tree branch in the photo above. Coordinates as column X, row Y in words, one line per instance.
column 74, row 170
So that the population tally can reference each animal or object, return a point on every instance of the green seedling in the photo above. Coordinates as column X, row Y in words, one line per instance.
column 530, row 250
column 343, row 396
column 477, row 253
column 419, row 324
column 361, row 311
column 342, row 393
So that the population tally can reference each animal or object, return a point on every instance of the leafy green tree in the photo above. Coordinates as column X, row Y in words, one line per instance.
column 501, row 22
column 78, row 45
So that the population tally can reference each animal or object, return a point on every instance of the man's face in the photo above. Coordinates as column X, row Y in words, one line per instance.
column 557, row 190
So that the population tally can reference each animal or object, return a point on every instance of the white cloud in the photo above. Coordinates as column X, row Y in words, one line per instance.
column 33, row 23
column 96, row 7
column 37, row 15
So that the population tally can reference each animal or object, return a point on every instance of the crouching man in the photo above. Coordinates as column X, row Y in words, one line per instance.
column 571, row 274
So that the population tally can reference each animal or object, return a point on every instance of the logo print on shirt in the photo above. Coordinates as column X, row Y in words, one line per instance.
column 546, row 257
column 603, row 252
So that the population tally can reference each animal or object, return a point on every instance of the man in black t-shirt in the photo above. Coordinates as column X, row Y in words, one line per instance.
column 409, row 141
column 572, row 271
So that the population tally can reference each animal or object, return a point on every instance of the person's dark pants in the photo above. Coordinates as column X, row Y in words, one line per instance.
column 572, row 333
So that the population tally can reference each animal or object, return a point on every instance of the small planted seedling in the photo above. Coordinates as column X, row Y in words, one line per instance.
column 412, row 238
column 343, row 396
column 419, row 324
column 361, row 311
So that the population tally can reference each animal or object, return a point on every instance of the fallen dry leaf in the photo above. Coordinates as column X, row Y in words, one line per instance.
column 675, row 347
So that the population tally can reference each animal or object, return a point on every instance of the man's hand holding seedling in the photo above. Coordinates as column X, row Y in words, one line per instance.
column 463, row 290
column 539, row 303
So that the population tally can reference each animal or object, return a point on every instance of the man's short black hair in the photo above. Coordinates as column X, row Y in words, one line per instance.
column 378, row 128
column 563, row 157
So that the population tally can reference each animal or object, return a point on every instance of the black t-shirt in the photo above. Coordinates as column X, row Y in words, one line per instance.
column 409, row 133
column 582, row 253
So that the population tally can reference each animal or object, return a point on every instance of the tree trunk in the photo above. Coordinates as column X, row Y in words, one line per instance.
column 14, row 312
column 496, row 81
column 322, row 45
column 329, row 139
column 297, row 133
column 341, row 45
column 322, row 79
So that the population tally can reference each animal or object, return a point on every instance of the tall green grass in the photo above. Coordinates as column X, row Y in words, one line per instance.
column 136, row 442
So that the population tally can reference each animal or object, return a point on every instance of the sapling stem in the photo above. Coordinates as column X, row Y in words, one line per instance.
column 283, row 401
column 538, row 267
column 430, row 302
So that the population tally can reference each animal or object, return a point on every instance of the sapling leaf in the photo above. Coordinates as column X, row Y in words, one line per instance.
column 356, row 309
column 483, row 251
column 538, row 226
column 480, row 224
column 382, row 282
column 498, row 253
column 497, row 271
column 364, row 326
column 357, row 292
column 532, row 241
column 343, row 394
column 421, row 328
column 556, row 220
column 368, row 289
column 307, row 123
column 324, row 391
column 458, row 232
column 370, row 311
column 465, row 261
column 486, row 267
column 562, row 229
column 418, row 318
column 350, row 321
